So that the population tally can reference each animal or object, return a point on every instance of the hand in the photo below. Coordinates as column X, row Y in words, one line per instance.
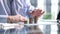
column 36, row 12
column 15, row 19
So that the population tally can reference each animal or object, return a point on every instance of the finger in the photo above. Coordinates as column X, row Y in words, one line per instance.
column 39, row 11
column 33, row 11
column 40, row 14
column 43, row 12
column 22, row 19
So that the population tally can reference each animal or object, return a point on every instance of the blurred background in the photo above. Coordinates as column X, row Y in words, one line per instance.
column 51, row 8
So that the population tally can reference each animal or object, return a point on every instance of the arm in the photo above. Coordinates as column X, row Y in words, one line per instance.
column 15, row 16
column 33, row 11
column 29, row 6
column 4, row 11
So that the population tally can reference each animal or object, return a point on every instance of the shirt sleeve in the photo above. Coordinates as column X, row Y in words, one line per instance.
column 29, row 5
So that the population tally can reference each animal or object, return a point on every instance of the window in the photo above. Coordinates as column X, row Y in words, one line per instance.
column 47, row 4
column 51, row 9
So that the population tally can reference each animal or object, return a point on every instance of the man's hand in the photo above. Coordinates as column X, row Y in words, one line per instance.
column 36, row 12
column 15, row 19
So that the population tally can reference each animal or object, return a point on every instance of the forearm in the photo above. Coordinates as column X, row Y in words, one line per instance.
column 13, row 19
column 5, row 18
column 16, row 18
column 9, row 19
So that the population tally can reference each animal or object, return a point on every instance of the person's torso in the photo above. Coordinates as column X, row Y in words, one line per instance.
column 4, row 7
column 21, row 7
